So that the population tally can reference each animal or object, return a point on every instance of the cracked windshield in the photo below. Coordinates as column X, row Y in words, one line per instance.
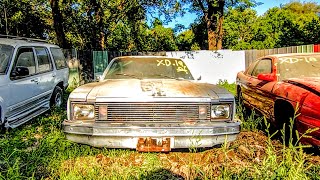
column 148, row 68
column 299, row 66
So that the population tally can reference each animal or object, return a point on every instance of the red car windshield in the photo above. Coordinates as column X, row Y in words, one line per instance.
column 299, row 66
column 148, row 68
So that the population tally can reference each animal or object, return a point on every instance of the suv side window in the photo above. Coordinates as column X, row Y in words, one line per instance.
column 44, row 63
column 59, row 58
column 25, row 63
column 263, row 66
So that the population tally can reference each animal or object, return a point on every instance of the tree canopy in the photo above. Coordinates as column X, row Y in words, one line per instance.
column 121, row 25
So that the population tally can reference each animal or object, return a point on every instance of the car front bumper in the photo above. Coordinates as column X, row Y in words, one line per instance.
column 127, row 136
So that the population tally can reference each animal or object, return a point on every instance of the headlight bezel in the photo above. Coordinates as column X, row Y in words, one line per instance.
column 226, row 106
column 78, row 107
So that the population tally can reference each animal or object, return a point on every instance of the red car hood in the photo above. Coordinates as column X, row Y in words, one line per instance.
column 306, row 83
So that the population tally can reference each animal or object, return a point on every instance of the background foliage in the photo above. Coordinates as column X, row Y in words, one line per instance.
column 139, row 25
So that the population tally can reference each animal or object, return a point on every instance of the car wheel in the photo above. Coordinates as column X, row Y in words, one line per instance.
column 283, row 114
column 57, row 97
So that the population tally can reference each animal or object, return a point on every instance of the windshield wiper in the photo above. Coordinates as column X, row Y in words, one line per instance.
column 129, row 75
column 170, row 77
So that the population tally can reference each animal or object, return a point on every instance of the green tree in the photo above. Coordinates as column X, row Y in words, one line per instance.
column 186, row 41
column 212, row 12
column 23, row 18
column 162, row 39
column 58, row 20
column 290, row 25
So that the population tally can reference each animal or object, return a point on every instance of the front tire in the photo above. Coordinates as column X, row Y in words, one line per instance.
column 284, row 113
column 57, row 97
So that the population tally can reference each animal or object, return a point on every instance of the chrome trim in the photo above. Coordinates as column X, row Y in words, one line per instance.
column 28, row 101
column 153, row 111
column 28, row 109
column 152, row 99
column 102, row 135
column 96, row 130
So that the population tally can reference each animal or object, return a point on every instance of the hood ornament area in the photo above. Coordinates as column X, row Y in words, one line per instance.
column 158, row 91
column 155, row 88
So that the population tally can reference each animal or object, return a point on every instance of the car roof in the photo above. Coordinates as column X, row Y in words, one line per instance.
column 25, row 42
column 292, row 54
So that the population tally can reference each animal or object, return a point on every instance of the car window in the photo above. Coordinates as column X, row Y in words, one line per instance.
column 250, row 68
column 299, row 66
column 148, row 68
column 44, row 63
column 263, row 66
column 59, row 58
column 5, row 56
column 25, row 59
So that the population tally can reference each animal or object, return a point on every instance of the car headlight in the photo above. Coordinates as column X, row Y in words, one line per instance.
column 83, row 112
column 221, row 111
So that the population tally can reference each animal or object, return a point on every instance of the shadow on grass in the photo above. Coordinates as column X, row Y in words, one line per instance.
column 160, row 174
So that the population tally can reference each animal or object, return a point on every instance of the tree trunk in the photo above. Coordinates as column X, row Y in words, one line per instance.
column 214, row 18
column 58, row 26
column 6, row 20
column 102, row 41
column 212, row 36
column 99, row 35
column 220, row 33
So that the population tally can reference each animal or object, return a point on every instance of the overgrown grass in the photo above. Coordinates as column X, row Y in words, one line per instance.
column 39, row 150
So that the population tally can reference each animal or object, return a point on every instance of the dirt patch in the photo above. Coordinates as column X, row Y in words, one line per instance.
column 247, row 152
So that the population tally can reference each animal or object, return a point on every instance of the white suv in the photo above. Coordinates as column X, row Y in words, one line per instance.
column 33, row 76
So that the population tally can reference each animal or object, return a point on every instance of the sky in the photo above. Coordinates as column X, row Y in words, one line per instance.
column 189, row 18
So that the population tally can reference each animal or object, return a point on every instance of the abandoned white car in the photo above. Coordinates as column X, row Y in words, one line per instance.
column 150, row 104
column 33, row 75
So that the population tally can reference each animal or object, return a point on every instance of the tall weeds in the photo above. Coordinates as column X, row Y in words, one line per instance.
column 39, row 150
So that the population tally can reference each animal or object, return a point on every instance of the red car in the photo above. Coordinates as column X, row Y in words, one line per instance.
column 275, row 85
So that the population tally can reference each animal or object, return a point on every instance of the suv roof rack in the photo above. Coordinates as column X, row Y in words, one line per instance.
column 22, row 38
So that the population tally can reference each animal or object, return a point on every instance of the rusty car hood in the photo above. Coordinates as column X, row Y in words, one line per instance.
column 308, row 83
column 136, row 88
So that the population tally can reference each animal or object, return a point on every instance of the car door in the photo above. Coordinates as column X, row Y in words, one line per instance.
column 243, row 80
column 45, row 73
column 62, row 70
column 261, row 90
column 23, row 81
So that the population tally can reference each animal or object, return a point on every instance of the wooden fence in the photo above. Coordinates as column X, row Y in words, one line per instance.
column 252, row 55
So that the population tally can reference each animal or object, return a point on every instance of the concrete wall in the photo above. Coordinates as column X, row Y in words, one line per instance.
column 213, row 65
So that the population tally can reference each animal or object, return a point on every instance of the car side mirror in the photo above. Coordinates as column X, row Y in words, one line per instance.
column 267, row 77
column 20, row 71
column 98, row 78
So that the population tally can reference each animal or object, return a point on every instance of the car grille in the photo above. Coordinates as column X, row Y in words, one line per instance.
column 160, row 111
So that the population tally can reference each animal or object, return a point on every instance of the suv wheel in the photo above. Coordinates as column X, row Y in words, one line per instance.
column 57, row 97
